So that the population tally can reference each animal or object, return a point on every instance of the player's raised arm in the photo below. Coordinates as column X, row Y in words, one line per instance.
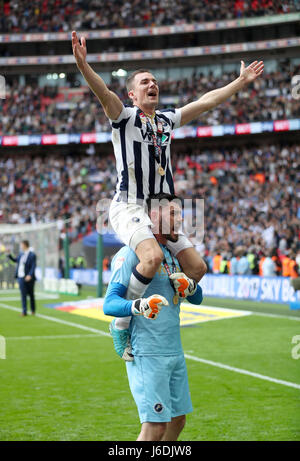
column 109, row 100
column 215, row 97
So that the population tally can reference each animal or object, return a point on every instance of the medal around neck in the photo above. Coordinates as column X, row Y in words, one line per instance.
column 161, row 171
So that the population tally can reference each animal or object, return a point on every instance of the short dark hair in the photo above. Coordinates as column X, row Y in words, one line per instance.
column 161, row 196
column 25, row 243
column 131, row 77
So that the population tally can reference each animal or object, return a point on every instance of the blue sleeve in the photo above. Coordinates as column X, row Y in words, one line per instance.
column 122, row 265
column 12, row 258
column 197, row 297
column 114, row 302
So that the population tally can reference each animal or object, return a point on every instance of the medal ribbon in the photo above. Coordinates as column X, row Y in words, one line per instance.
column 166, row 265
column 174, row 269
column 156, row 138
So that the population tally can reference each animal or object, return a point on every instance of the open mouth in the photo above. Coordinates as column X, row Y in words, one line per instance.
column 152, row 93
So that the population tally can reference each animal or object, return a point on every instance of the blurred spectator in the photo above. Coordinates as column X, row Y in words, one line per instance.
column 268, row 266
column 80, row 262
column 66, row 15
column 261, row 263
column 277, row 261
column 224, row 265
column 72, row 185
column 234, row 263
column 105, row 263
column 243, row 264
column 286, row 263
column 239, row 209
column 253, row 261
column 294, row 268
column 216, row 262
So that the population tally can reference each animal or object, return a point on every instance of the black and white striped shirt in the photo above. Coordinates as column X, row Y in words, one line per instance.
column 137, row 168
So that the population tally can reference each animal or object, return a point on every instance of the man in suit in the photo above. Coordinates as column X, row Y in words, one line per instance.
column 26, row 263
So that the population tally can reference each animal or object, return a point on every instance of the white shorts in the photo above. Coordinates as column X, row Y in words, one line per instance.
column 132, row 225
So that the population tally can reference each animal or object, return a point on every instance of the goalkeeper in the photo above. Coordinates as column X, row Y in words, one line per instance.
column 157, row 375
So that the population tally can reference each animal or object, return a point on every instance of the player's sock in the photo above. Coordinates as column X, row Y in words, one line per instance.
column 121, row 340
column 136, row 288
column 121, row 323
column 119, row 327
column 138, row 284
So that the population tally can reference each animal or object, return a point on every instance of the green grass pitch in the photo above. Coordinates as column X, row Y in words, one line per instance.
column 60, row 382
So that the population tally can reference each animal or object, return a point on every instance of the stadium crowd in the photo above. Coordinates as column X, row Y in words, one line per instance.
column 251, row 204
column 66, row 15
column 250, row 195
column 32, row 109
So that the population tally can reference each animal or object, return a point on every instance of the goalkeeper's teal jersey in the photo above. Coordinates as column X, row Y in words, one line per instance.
column 151, row 337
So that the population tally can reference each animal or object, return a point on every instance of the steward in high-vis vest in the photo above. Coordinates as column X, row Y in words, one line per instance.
column 224, row 265
column 277, row 262
column 253, row 263
column 293, row 266
column 286, row 266
column 80, row 262
column 260, row 265
column 217, row 263
column 72, row 262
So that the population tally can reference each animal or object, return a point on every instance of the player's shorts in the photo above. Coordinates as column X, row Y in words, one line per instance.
column 132, row 224
column 159, row 385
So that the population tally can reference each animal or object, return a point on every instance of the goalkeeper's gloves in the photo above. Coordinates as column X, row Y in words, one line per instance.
column 149, row 307
column 183, row 285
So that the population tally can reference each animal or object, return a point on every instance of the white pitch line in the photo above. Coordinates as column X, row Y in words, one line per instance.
column 38, row 295
column 16, row 338
column 276, row 316
column 243, row 372
column 57, row 320
column 190, row 357
column 37, row 298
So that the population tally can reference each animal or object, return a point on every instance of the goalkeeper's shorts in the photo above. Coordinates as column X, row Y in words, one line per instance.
column 159, row 385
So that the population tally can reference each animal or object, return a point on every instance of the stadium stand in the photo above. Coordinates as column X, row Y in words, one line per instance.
column 249, row 189
column 65, row 15
column 32, row 109
column 250, row 193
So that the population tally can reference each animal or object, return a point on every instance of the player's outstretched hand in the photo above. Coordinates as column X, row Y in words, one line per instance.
column 79, row 49
column 250, row 73
column 149, row 307
column 183, row 285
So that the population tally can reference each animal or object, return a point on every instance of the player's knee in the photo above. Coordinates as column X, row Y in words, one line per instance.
column 153, row 258
column 157, row 258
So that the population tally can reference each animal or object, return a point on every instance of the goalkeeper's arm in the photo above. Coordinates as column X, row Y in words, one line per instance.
column 197, row 297
column 116, row 306
column 115, row 303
